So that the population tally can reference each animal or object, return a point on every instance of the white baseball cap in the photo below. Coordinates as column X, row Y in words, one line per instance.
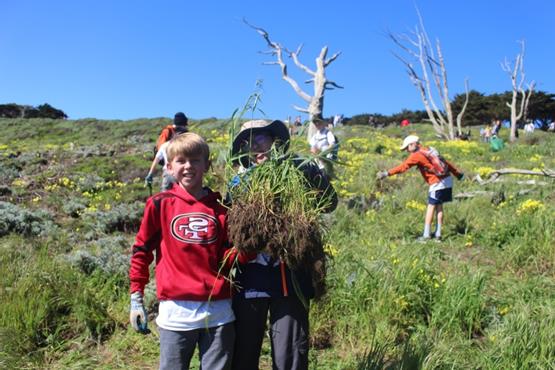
column 411, row 139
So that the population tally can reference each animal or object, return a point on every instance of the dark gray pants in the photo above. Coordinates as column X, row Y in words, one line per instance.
column 215, row 347
column 288, row 332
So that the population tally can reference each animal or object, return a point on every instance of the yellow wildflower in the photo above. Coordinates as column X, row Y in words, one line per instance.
column 504, row 310
column 415, row 205
column 331, row 250
column 529, row 206
column 484, row 171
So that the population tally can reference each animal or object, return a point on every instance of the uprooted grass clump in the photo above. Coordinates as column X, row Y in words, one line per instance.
column 276, row 211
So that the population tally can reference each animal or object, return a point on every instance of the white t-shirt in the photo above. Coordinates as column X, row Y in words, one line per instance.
column 529, row 127
column 191, row 315
column 162, row 155
column 322, row 140
column 444, row 183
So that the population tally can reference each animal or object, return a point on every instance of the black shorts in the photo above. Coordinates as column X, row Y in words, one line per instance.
column 440, row 196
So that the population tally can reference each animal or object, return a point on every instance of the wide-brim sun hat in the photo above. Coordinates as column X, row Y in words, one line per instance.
column 411, row 139
column 276, row 129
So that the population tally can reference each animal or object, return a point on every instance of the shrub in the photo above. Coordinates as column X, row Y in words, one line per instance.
column 20, row 220
column 42, row 111
column 105, row 254
column 8, row 173
column 74, row 208
column 525, row 340
column 51, row 305
column 460, row 305
column 123, row 217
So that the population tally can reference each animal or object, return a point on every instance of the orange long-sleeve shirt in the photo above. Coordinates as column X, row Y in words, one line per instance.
column 419, row 159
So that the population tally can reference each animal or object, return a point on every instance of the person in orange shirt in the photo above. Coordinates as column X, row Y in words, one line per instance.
column 441, row 182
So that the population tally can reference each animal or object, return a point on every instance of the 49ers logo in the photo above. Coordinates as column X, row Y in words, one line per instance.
column 196, row 227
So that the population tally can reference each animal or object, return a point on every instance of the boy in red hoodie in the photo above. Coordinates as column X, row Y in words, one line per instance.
column 441, row 186
column 186, row 226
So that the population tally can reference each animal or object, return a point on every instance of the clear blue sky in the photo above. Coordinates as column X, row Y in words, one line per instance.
column 127, row 59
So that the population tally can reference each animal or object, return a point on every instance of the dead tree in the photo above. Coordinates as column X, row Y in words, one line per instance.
column 315, row 102
column 429, row 77
column 516, row 72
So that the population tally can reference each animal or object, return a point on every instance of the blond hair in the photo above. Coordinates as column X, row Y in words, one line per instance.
column 188, row 144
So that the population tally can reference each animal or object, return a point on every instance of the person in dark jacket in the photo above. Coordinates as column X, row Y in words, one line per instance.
column 266, row 283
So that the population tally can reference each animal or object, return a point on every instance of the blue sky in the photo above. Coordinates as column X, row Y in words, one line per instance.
column 124, row 59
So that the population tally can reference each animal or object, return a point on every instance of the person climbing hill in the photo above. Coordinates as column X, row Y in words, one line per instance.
column 179, row 126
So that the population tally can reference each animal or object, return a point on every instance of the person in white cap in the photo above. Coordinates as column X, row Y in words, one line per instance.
column 436, row 171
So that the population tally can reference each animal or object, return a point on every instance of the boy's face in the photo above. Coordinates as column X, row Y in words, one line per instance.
column 412, row 147
column 259, row 147
column 189, row 172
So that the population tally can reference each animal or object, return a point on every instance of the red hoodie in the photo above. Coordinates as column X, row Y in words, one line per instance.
column 190, row 240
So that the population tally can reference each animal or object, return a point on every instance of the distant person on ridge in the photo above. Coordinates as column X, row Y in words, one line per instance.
column 436, row 171
column 324, row 141
column 178, row 127
column 161, row 158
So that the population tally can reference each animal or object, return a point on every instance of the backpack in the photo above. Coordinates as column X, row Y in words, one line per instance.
column 438, row 166
column 165, row 135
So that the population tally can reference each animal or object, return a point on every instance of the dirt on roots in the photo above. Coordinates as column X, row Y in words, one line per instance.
column 293, row 238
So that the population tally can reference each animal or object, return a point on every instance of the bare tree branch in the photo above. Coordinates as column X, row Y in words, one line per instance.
column 518, row 77
column 278, row 50
column 327, row 62
column 332, row 84
column 494, row 176
column 429, row 78
column 317, row 77
column 303, row 110
column 459, row 116
column 295, row 57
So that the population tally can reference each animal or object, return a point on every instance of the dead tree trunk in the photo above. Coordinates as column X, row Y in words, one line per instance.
column 516, row 72
column 430, row 78
column 315, row 102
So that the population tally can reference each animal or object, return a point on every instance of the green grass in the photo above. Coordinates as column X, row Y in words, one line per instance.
column 483, row 298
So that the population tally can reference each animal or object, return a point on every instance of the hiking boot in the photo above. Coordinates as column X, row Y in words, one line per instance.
column 437, row 239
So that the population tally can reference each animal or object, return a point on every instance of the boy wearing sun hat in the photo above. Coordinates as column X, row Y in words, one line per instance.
column 267, row 283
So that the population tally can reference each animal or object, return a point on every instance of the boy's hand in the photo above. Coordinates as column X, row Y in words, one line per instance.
column 460, row 177
column 137, row 314
column 148, row 180
column 382, row 175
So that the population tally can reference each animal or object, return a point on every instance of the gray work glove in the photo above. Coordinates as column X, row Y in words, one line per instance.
column 137, row 314
column 382, row 175
column 148, row 180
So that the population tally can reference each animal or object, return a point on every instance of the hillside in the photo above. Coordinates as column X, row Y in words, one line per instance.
column 71, row 199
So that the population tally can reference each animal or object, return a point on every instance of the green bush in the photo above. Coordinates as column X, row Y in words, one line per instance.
column 122, row 217
column 46, row 304
column 525, row 339
column 108, row 255
column 20, row 220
